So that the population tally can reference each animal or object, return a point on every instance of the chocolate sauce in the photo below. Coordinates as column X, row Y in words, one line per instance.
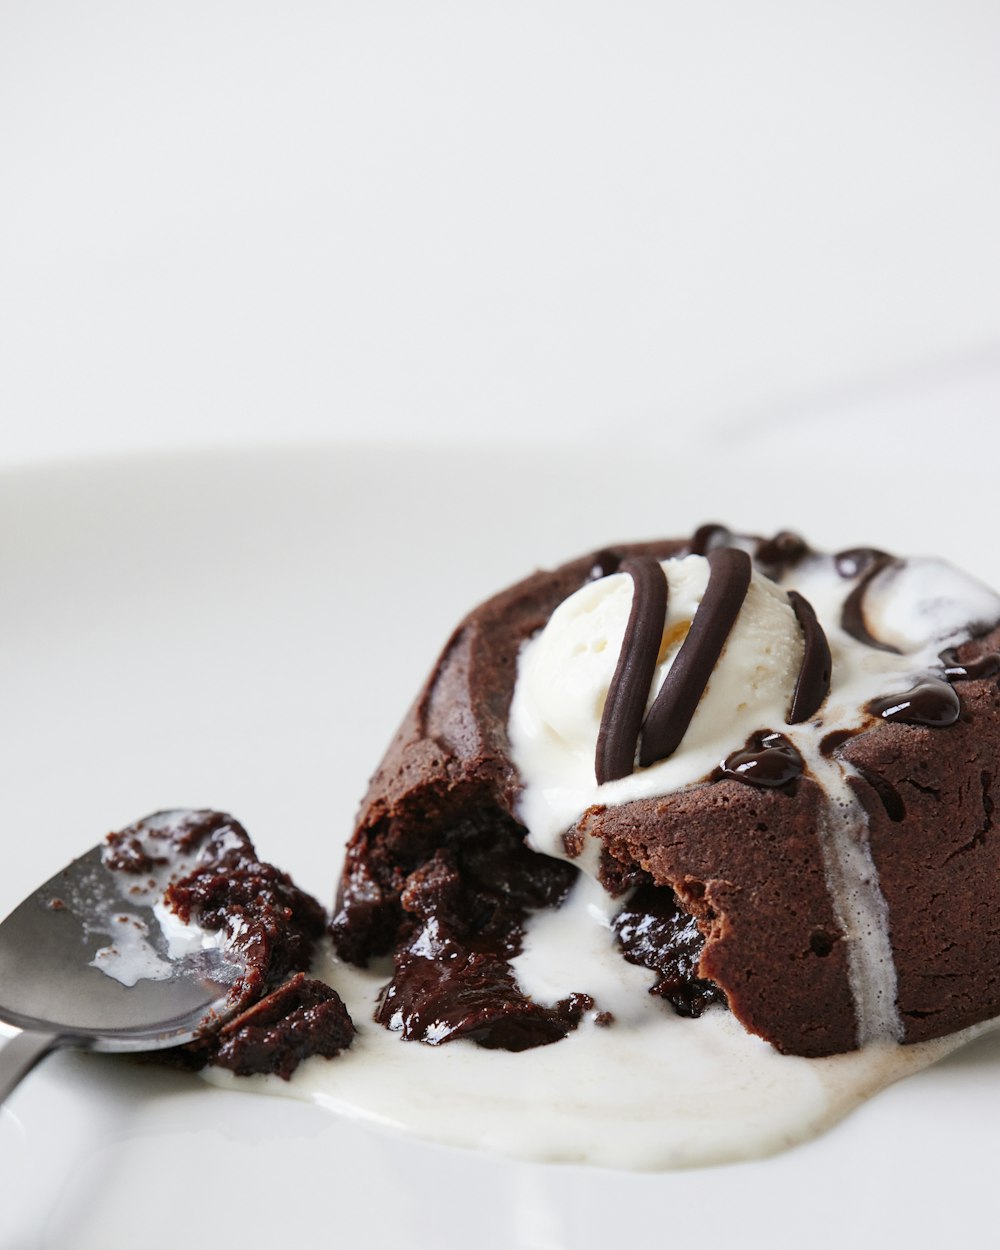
column 773, row 762
column 606, row 562
column 677, row 701
column 969, row 670
column 767, row 760
column 930, row 702
column 776, row 556
column 865, row 563
column 709, row 537
column 859, row 561
column 625, row 705
column 773, row 556
column 813, row 684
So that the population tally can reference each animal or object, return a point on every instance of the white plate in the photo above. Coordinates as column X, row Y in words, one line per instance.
column 245, row 631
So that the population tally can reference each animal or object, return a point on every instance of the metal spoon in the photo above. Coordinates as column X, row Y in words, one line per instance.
column 53, row 948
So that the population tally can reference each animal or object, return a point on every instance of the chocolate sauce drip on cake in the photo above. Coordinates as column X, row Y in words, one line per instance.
column 866, row 563
column 931, row 702
column 677, row 701
column 776, row 556
column 773, row 556
column 767, row 760
column 969, row 670
column 813, row 684
column 629, row 689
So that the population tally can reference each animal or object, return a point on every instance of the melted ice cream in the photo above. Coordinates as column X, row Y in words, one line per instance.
column 651, row 1092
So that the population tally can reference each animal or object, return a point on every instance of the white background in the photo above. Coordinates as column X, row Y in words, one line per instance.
column 230, row 222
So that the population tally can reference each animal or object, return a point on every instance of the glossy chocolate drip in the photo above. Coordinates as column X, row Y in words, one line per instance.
column 969, row 670
column 708, row 538
column 767, row 760
column 865, row 563
column 813, row 684
column 775, row 556
column 675, row 705
column 626, row 702
column 931, row 702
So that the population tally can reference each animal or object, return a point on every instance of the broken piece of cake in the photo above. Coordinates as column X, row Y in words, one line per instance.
column 207, row 885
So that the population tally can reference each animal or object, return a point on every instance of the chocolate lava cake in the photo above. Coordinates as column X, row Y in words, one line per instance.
column 832, row 876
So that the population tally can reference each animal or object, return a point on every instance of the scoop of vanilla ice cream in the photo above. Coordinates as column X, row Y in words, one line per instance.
column 569, row 669
column 566, row 670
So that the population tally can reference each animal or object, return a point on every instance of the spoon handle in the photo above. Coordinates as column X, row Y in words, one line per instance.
column 21, row 1054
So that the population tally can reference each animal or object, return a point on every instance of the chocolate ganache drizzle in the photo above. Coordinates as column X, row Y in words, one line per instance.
column 623, row 730
column 933, row 701
column 813, row 683
column 621, row 720
column 865, row 563
column 778, row 555
column 768, row 758
column 677, row 701
column 709, row 536
column 974, row 670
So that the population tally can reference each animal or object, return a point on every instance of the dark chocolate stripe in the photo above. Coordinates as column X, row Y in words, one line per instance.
column 675, row 705
column 629, row 689
column 708, row 537
column 606, row 562
column 813, row 684
column 867, row 562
